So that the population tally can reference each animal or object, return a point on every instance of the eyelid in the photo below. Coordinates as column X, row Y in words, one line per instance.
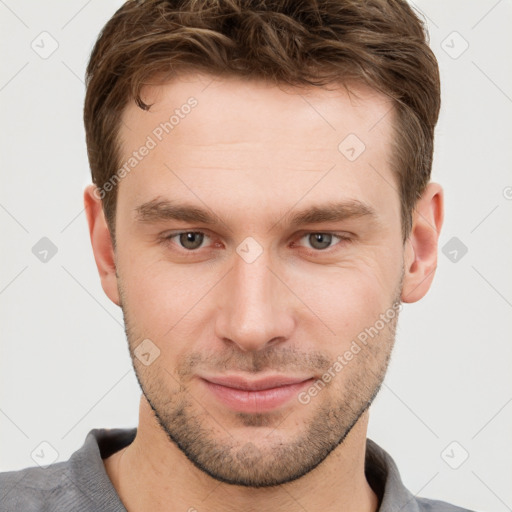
column 344, row 236
column 168, row 238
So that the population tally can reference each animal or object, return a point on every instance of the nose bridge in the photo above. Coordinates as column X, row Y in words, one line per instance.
column 254, row 312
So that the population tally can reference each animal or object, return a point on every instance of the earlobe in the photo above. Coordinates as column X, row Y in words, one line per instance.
column 101, row 241
column 420, row 252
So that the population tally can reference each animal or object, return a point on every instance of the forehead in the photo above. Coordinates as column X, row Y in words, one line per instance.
column 254, row 110
column 208, row 137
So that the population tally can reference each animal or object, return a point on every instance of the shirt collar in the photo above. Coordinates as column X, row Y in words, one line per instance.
column 88, row 472
column 384, row 478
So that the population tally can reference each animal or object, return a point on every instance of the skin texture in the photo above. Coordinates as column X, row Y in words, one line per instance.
column 253, row 155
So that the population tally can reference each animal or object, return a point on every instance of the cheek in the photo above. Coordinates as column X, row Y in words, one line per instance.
column 349, row 298
column 162, row 299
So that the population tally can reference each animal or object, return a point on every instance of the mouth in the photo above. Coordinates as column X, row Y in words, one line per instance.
column 254, row 395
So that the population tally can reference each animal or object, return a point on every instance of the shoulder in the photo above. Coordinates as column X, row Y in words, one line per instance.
column 426, row 505
column 78, row 484
column 35, row 489
column 383, row 476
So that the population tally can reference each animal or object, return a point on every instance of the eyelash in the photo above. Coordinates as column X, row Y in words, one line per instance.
column 343, row 238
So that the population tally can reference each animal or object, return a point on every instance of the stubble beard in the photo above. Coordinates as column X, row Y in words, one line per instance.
column 272, row 459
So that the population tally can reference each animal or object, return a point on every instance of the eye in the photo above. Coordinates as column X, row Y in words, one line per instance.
column 189, row 240
column 322, row 241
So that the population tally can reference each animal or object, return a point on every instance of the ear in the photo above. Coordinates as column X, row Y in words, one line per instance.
column 101, row 241
column 420, row 258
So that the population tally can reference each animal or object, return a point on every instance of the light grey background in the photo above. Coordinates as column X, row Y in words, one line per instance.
column 64, row 364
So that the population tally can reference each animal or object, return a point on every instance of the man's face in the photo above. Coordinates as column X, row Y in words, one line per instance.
column 254, row 295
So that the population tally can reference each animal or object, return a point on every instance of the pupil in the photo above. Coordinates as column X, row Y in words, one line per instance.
column 191, row 240
column 320, row 240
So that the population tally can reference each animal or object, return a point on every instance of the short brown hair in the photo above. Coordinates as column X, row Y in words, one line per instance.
column 380, row 43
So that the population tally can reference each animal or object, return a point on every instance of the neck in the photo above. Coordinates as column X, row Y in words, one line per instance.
column 153, row 474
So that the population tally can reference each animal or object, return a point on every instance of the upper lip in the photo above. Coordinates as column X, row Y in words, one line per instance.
column 238, row 382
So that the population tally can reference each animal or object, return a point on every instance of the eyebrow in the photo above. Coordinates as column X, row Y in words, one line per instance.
column 160, row 210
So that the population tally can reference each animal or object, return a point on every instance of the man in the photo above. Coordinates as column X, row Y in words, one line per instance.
column 261, row 208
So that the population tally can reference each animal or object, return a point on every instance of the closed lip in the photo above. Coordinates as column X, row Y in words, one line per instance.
column 262, row 383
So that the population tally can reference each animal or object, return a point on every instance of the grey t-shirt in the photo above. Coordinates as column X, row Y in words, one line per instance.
column 81, row 483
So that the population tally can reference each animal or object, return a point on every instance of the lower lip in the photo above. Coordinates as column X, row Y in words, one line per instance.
column 263, row 400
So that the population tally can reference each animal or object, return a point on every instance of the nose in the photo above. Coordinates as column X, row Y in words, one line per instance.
column 256, row 307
